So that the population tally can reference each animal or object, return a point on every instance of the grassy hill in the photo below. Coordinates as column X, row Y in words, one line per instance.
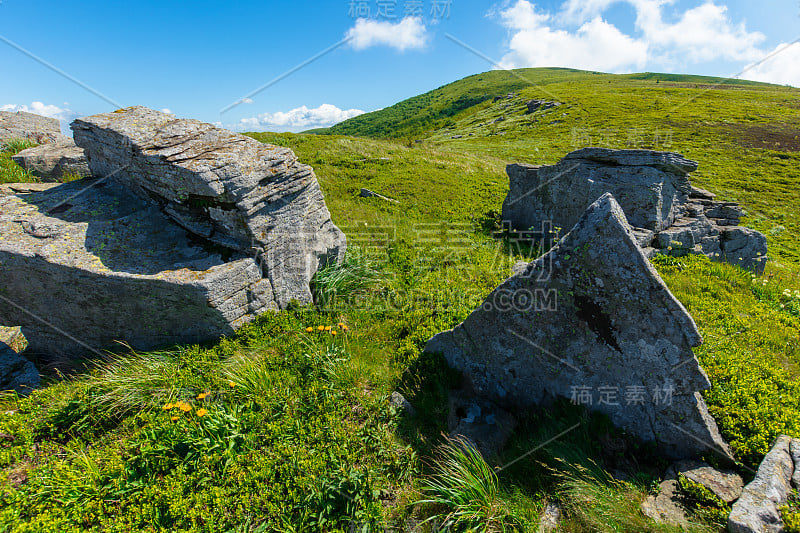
column 296, row 431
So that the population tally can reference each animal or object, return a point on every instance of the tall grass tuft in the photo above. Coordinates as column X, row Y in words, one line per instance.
column 15, row 146
column 595, row 501
column 136, row 382
column 354, row 275
column 467, row 487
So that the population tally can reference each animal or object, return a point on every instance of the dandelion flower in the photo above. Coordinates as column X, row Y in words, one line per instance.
column 203, row 395
column 202, row 412
column 309, row 329
column 231, row 384
column 333, row 333
column 340, row 324
column 174, row 418
column 320, row 328
column 185, row 407
column 168, row 406
column 344, row 327
column 328, row 328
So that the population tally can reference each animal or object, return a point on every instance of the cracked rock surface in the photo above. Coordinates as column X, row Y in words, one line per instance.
column 591, row 321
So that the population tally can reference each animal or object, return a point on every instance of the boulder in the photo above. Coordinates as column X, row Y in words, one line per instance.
column 53, row 162
column 591, row 321
column 668, row 214
column 29, row 126
column 157, row 254
column 757, row 510
column 17, row 373
column 228, row 189
column 725, row 484
column 87, row 264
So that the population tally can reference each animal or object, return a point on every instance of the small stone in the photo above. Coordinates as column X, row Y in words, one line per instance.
column 725, row 484
column 551, row 515
column 666, row 506
column 399, row 402
column 483, row 422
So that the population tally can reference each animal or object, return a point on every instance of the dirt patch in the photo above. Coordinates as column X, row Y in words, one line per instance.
column 779, row 137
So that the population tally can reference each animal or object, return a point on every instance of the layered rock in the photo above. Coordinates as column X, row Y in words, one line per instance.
column 196, row 232
column 758, row 509
column 667, row 213
column 53, row 162
column 591, row 321
column 223, row 187
column 29, row 126
column 87, row 263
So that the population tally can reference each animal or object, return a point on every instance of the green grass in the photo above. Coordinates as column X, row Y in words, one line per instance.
column 10, row 172
column 305, row 439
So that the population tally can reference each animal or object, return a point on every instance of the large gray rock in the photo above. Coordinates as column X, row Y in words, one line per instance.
column 757, row 510
column 29, row 126
column 591, row 320
column 668, row 214
column 53, row 162
column 16, row 372
column 226, row 188
column 87, row 263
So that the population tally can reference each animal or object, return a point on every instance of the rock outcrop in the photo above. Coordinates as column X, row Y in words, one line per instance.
column 758, row 509
column 52, row 162
column 591, row 321
column 667, row 213
column 16, row 372
column 225, row 188
column 29, row 126
column 539, row 105
column 198, row 231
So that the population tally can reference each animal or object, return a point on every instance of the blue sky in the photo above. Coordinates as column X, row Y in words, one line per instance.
column 198, row 58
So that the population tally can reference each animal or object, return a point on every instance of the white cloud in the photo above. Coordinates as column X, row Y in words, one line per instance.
column 298, row 119
column 65, row 116
column 595, row 45
column 407, row 34
column 783, row 67
column 578, row 36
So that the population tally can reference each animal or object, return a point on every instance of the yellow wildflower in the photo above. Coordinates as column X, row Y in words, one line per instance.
column 185, row 407
column 320, row 328
column 328, row 328
column 168, row 406
column 333, row 333
column 202, row 412
column 231, row 384
column 309, row 329
column 203, row 395
column 174, row 418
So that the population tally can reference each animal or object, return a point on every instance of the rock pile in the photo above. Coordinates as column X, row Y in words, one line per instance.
column 667, row 213
column 186, row 232
column 29, row 126
column 539, row 105
column 591, row 321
